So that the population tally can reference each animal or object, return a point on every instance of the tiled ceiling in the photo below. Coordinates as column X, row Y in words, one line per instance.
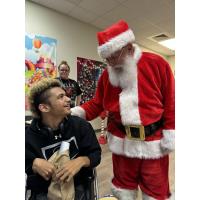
column 147, row 18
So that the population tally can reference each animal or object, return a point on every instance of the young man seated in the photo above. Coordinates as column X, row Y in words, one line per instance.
column 52, row 124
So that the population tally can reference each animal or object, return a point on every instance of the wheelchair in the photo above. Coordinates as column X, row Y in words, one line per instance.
column 90, row 188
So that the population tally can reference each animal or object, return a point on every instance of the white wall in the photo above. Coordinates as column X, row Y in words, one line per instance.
column 74, row 38
column 171, row 60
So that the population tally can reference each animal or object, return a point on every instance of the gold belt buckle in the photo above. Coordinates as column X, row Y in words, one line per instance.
column 141, row 130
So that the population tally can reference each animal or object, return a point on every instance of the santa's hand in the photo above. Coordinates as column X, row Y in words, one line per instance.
column 43, row 168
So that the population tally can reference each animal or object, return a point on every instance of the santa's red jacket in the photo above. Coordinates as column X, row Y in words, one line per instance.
column 150, row 98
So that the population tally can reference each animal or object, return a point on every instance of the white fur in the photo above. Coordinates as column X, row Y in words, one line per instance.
column 172, row 197
column 146, row 197
column 168, row 140
column 116, row 43
column 122, row 75
column 128, row 101
column 125, row 75
column 135, row 148
column 78, row 111
column 126, row 78
column 123, row 194
column 137, row 53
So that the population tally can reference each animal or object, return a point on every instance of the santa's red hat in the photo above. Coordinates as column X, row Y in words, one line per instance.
column 114, row 38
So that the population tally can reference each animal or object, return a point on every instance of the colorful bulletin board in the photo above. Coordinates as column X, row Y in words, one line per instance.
column 88, row 73
column 40, row 60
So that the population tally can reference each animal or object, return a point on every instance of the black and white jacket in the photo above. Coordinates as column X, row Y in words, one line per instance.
column 42, row 142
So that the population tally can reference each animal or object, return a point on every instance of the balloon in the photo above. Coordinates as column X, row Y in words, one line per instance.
column 37, row 43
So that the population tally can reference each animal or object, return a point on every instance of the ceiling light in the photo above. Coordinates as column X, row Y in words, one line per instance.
column 170, row 44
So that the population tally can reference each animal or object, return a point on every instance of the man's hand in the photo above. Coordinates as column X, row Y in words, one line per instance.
column 72, row 167
column 43, row 168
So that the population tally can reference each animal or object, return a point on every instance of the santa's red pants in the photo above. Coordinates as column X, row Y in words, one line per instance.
column 150, row 174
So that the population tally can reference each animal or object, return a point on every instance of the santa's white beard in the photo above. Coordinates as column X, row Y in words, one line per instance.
column 123, row 75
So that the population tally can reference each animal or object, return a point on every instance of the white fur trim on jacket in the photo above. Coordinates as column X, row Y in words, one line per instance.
column 172, row 197
column 78, row 111
column 128, row 99
column 116, row 43
column 129, row 110
column 136, row 149
column 123, row 194
column 168, row 140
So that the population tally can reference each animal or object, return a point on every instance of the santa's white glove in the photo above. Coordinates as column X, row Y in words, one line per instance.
column 78, row 111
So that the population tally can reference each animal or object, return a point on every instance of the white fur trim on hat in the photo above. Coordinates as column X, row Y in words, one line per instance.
column 123, row 194
column 168, row 140
column 135, row 148
column 78, row 111
column 116, row 43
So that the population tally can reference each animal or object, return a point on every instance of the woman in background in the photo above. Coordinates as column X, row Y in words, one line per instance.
column 71, row 87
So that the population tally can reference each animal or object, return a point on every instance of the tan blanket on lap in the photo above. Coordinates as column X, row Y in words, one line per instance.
column 64, row 190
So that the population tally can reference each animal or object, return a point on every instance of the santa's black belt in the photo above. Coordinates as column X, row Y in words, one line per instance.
column 139, row 132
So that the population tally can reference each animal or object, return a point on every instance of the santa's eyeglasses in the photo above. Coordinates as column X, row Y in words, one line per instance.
column 115, row 57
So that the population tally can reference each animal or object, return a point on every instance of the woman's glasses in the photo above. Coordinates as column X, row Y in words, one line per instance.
column 64, row 70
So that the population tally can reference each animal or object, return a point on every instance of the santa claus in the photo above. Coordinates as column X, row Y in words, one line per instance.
column 137, row 89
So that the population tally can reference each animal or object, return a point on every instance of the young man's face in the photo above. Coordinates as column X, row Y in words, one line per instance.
column 59, row 103
column 64, row 71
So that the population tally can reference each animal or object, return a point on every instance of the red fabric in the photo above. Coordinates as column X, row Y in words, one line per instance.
column 111, row 32
column 154, row 78
column 104, row 114
column 102, row 139
column 150, row 174
column 155, row 90
column 155, row 75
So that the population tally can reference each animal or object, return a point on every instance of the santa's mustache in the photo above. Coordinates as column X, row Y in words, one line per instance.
column 123, row 75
